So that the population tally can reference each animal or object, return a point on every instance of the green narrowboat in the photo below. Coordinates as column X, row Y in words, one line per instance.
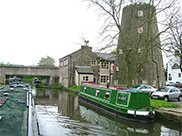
column 130, row 104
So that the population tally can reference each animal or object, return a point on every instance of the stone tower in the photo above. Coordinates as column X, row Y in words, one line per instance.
column 139, row 58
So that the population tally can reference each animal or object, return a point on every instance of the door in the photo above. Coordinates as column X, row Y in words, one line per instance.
column 172, row 93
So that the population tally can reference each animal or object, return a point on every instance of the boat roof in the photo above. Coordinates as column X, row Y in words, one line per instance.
column 13, row 111
column 132, row 90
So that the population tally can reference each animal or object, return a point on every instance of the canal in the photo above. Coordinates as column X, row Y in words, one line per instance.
column 60, row 113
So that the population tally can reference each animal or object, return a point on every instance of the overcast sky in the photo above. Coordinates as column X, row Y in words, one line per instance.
column 31, row 29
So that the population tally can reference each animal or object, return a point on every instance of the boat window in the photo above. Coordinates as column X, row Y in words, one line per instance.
column 84, row 89
column 97, row 93
column 107, row 94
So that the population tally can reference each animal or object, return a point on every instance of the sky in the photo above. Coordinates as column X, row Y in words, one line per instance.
column 31, row 29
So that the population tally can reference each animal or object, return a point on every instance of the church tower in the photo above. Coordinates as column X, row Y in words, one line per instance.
column 139, row 58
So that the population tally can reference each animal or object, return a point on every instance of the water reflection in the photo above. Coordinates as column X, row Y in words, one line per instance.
column 61, row 113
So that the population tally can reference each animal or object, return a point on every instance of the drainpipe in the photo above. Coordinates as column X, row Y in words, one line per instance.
column 157, row 70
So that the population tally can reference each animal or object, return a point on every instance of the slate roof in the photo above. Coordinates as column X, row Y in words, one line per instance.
column 107, row 56
column 84, row 70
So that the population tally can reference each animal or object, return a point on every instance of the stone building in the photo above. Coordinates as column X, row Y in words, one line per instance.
column 81, row 57
column 139, row 58
column 83, row 74
column 102, row 65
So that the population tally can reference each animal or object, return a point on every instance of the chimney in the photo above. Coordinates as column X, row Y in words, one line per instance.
column 86, row 47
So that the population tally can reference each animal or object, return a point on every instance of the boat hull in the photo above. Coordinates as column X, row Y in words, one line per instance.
column 116, row 114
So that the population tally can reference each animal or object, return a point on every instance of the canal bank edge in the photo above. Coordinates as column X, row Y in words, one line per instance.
column 173, row 115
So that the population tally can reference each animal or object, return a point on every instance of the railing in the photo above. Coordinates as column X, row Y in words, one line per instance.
column 30, row 130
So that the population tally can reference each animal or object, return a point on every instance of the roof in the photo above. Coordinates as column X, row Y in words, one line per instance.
column 82, row 47
column 119, row 90
column 13, row 111
column 84, row 70
column 106, row 56
column 174, row 60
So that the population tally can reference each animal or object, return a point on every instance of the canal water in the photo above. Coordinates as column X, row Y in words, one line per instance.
column 60, row 113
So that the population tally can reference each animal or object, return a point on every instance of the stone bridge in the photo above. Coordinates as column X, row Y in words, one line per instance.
column 51, row 73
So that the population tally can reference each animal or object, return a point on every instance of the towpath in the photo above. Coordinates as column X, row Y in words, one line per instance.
column 171, row 114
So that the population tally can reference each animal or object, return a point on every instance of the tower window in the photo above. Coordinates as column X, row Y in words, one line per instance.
column 139, row 50
column 140, row 30
column 140, row 13
column 120, row 51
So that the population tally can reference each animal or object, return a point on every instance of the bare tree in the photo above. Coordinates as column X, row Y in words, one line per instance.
column 112, row 31
column 173, row 39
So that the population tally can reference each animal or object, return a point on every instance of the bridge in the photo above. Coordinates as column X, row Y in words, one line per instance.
column 52, row 74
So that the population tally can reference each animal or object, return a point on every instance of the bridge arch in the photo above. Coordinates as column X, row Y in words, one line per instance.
column 52, row 73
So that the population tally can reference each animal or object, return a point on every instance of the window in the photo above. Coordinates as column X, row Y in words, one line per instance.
column 93, row 63
column 140, row 30
column 170, row 77
column 117, row 68
column 112, row 67
column 104, row 65
column 61, row 63
column 139, row 50
column 84, row 89
column 85, row 78
column 140, row 13
column 97, row 93
column 179, row 74
column 120, row 51
column 65, row 62
column 104, row 79
column 107, row 94
column 172, row 91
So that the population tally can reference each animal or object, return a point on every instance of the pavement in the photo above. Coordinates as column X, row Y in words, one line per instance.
column 176, row 102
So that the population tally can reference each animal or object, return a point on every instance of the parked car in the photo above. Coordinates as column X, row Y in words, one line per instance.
column 171, row 84
column 167, row 93
column 178, row 85
column 145, row 88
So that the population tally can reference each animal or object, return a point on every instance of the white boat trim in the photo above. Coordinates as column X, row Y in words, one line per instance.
column 144, row 113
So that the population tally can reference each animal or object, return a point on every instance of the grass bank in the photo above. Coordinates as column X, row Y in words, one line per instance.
column 53, row 86
column 162, row 104
column 74, row 87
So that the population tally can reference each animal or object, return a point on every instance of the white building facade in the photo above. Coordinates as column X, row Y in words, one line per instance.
column 174, row 73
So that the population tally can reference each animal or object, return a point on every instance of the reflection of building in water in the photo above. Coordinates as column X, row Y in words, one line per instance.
column 46, row 97
column 68, row 105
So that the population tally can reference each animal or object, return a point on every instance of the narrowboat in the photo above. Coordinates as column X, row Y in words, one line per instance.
column 17, row 111
column 129, row 104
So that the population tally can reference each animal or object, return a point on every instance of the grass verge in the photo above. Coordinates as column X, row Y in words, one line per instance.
column 162, row 104
column 56, row 85
column 1, row 84
column 74, row 87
